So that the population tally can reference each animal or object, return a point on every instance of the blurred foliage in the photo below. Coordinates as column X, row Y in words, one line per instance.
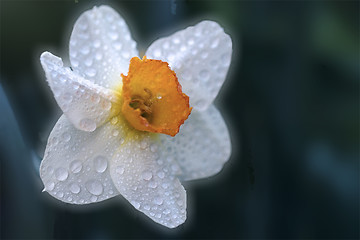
column 291, row 100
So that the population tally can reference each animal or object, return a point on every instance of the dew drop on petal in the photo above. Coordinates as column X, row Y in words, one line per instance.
column 88, row 124
column 113, row 35
column 93, row 198
column 95, row 98
column 153, row 184
column 60, row 194
column 179, row 202
column 135, row 204
column 166, row 211
column 115, row 133
column 161, row 174
column 98, row 56
column 101, row 164
column 158, row 200
column 91, row 72
column 74, row 188
column 61, row 174
column 143, row 145
column 94, row 187
column 114, row 120
column 75, row 166
column 153, row 148
column 50, row 186
column 67, row 98
column 204, row 75
column 66, row 137
column 120, row 170
column 146, row 175
column 96, row 43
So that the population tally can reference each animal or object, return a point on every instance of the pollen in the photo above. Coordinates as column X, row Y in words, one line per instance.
column 153, row 99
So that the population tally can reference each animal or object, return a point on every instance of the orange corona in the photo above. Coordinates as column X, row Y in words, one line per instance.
column 153, row 99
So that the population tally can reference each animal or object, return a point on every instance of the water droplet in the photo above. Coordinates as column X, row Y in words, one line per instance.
column 174, row 167
column 201, row 104
column 165, row 185
column 74, row 188
column 94, row 187
column 191, row 41
column 98, row 56
column 225, row 59
column 176, row 40
column 113, row 35
column 166, row 211
column 88, row 62
column 75, row 166
column 146, row 175
column 204, row 75
column 69, row 199
column 60, row 194
column 50, row 169
column 153, row 184
column 93, row 198
column 153, row 148
column 50, row 186
column 61, row 174
column 158, row 200
column 158, row 215
column 114, row 120
column 157, row 53
column 117, row 46
column 87, row 125
column 161, row 174
column 106, row 105
column 90, row 72
column 74, row 63
column 215, row 43
column 180, row 203
column 125, row 54
column 85, row 50
column 147, row 207
column 97, row 43
column 54, row 141
column 95, row 98
column 120, row 170
column 143, row 145
column 66, row 137
column 115, row 132
column 135, row 204
column 66, row 97
column 100, row 163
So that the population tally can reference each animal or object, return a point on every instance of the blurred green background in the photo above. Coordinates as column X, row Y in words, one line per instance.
column 291, row 101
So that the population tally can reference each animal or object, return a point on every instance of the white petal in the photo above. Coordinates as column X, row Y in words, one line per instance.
column 75, row 168
column 101, row 46
column 86, row 104
column 200, row 56
column 202, row 146
column 142, row 175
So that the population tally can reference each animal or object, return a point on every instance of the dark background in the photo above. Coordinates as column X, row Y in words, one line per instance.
column 291, row 101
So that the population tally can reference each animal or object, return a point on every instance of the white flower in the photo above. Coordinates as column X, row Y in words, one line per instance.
column 93, row 154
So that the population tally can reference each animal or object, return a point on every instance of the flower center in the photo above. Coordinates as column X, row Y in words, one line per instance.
column 153, row 99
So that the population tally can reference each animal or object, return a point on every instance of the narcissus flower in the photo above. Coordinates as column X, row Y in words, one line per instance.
column 127, row 127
